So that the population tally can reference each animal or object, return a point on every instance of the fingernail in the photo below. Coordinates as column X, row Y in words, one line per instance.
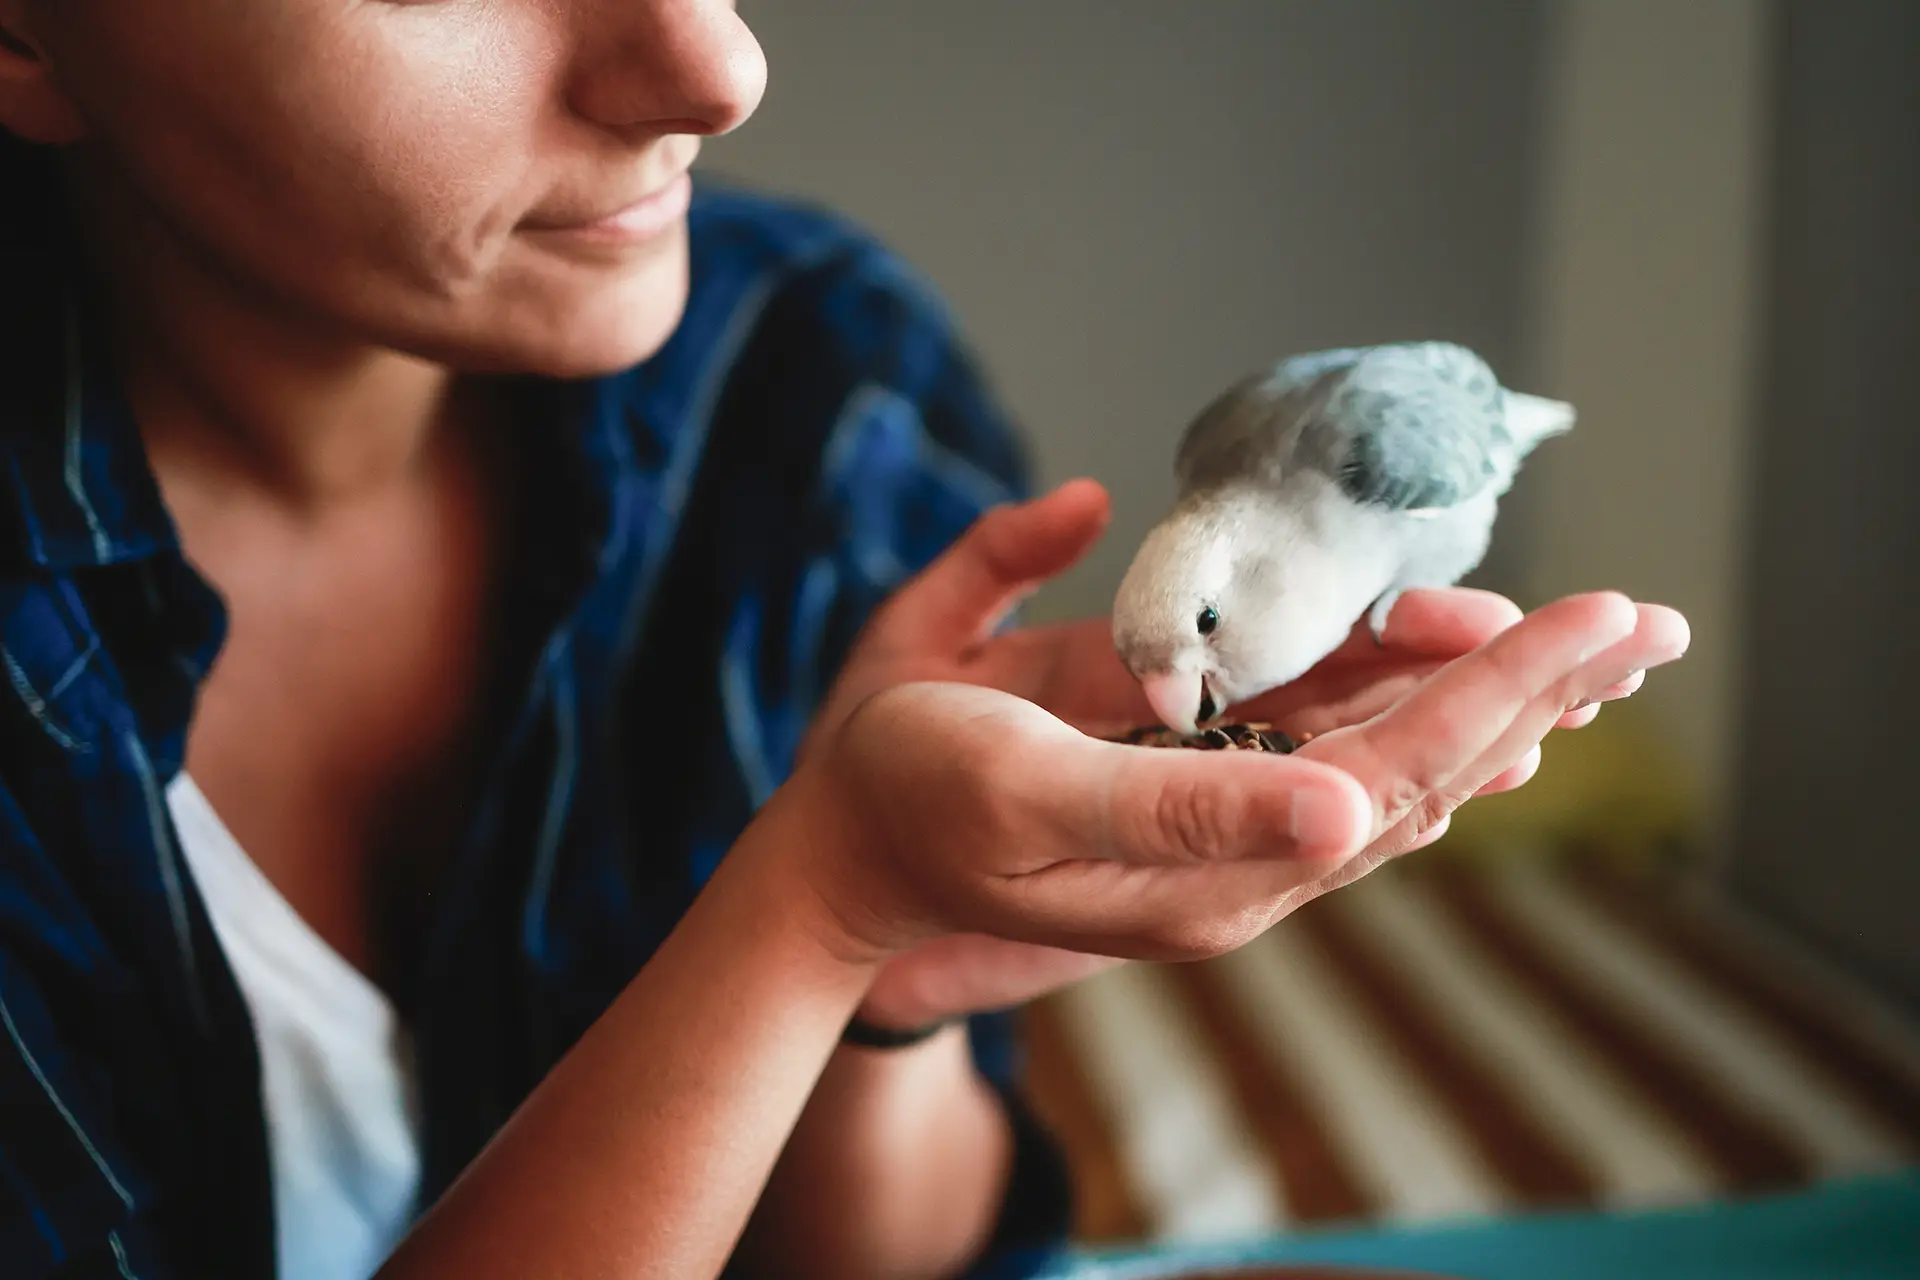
column 1321, row 817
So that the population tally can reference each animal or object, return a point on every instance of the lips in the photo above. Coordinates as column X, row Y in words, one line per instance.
column 635, row 219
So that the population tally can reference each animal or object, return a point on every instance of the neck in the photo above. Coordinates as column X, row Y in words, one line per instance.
column 240, row 389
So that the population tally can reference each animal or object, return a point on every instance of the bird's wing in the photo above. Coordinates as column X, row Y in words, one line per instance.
column 1410, row 427
column 1250, row 429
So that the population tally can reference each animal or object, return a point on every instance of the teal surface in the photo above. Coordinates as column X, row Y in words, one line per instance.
column 1859, row 1229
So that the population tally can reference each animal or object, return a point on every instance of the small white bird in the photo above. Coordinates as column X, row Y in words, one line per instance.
column 1308, row 496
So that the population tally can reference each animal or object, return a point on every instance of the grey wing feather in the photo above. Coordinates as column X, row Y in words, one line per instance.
column 1411, row 427
column 1249, row 431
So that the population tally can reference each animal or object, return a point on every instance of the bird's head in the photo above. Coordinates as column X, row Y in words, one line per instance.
column 1226, row 599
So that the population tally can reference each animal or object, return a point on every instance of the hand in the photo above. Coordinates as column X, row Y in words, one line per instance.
column 938, row 627
column 940, row 808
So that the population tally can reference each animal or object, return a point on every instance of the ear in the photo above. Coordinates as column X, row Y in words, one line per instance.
column 33, row 105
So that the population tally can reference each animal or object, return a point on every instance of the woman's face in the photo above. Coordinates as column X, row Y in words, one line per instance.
column 498, row 184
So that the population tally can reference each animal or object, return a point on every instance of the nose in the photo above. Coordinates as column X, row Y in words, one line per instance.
column 1175, row 697
column 667, row 67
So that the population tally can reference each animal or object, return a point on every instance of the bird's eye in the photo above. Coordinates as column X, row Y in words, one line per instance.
column 1209, row 619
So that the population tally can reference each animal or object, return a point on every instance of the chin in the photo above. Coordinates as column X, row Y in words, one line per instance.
column 576, row 323
column 617, row 343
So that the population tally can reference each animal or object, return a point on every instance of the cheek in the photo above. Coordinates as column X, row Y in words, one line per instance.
column 355, row 157
column 440, row 143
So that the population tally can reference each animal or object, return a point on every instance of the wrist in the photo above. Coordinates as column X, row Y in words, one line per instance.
column 812, row 852
column 820, row 854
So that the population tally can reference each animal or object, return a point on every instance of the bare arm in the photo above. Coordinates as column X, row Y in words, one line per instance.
column 914, row 1137
column 643, row 1152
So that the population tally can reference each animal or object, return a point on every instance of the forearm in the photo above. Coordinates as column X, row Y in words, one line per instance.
column 896, row 1170
column 644, row 1150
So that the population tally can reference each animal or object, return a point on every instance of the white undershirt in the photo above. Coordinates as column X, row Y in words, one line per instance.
column 336, row 1073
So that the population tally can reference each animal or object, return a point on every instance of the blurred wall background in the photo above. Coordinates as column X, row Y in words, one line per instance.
column 1825, row 833
column 1644, row 307
column 1131, row 202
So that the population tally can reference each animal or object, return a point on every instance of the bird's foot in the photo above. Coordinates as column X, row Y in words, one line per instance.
column 1377, row 616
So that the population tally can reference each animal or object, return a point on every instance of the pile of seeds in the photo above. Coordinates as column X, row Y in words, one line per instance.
column 1222, row 737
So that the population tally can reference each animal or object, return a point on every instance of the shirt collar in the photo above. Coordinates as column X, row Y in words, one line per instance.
column 75, row 487
column 78, row 490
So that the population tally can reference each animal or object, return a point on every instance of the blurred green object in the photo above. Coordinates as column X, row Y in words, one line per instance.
column 1854, row 1229
column 1613, row 790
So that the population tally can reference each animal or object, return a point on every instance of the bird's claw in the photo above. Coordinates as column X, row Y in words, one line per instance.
column 1377, row 616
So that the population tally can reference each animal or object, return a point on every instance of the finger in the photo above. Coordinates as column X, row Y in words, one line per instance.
column 1001, row 558
column 1625, row 689
column 1663, row 631
column 1168, row 913
column 1584, row 713
column 1659, row 636
column 1431, row 835
column 1156, row 854
column 1450, row 721
column 1417, row 831
column 1413, row 831
column 1580, row 717
column 1517, row 775
column 1441, row 622
column 1481, row 713
column 1153, row 807
column 1659, row 632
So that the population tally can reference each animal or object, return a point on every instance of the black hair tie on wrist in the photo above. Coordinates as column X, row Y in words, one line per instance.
column 868, row 1036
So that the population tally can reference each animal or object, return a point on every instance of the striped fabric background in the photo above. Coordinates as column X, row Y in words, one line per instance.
column 1440, row 1041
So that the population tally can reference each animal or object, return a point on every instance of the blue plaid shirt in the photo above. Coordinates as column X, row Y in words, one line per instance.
column 713, row 527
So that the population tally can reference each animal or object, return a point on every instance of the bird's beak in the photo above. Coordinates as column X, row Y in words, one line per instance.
column 1178, row 698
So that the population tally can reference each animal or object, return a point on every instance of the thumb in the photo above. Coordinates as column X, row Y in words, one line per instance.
column 1003, row 557
column 1173, row 807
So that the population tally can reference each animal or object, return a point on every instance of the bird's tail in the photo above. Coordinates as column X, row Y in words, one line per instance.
column 1531, row 419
